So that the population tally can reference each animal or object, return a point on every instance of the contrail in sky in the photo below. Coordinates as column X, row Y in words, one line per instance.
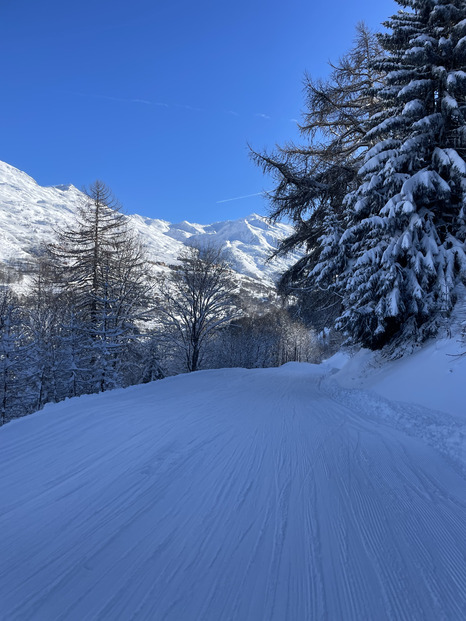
column 238, row 198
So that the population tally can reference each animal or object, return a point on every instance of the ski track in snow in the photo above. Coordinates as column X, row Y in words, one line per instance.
column 227, row 495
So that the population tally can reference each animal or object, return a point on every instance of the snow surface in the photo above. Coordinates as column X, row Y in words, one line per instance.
column 29, row 214
column 271, row 494
column 433, row 377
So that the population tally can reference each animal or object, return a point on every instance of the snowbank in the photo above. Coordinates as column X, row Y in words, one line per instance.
column 433, row 377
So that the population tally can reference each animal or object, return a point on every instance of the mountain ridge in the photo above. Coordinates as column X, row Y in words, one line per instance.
column 29, row 214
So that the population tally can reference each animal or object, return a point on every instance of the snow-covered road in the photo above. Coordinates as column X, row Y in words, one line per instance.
column 227, row 495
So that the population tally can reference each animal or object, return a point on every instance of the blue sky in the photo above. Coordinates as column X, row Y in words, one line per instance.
column 159, row 99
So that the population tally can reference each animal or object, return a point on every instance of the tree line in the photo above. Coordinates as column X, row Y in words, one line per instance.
column 95, row 315
column 377, row 191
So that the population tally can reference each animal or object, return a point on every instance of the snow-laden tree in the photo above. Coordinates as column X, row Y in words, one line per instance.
column 194, row 301
column 15, row 395
column 43, row 325
column 404, row 241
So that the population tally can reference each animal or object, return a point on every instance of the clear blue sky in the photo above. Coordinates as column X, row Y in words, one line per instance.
column 159, row 99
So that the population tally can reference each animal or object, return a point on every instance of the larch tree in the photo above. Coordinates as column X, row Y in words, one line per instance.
column 103, row 268
column 313, row 179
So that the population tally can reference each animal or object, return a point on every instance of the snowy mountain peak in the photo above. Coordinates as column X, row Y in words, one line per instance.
column 11, row 175
column 65, row 188
column 29, row 214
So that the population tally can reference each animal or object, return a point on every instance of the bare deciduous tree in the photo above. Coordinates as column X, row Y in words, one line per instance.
column 195, row 301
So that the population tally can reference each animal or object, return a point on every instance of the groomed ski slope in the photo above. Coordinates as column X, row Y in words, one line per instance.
column 231, row 495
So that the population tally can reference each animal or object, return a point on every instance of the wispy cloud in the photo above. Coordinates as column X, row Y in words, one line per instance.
column 186, row 107
column 146, row 102
column 238, row 198
column 172, row 106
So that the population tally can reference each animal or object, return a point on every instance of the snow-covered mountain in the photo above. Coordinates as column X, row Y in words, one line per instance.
column 29, row 213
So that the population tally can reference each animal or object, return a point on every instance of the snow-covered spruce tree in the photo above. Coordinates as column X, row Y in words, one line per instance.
column 405, row 241
column 312, row 179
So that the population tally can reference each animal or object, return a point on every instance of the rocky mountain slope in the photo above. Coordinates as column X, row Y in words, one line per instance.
column 29, row 214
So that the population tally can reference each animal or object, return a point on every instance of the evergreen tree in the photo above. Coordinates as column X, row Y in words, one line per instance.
column 404, row 239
